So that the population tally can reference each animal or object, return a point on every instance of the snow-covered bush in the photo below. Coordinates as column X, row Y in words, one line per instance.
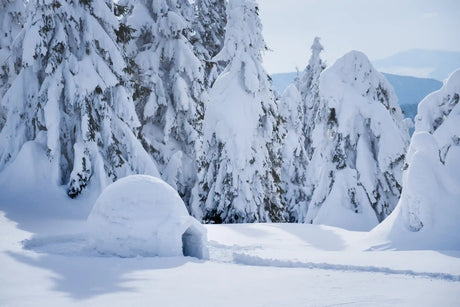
column 359, row 141
column 143, row 215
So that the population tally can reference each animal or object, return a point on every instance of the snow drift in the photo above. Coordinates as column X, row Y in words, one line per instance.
column 143, row 215
column 428, row 213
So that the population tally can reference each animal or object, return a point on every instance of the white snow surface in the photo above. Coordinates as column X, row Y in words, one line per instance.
column 46, row 261
column 143, row 215
column 250, row 265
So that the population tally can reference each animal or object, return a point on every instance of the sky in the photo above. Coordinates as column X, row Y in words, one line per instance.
column 379, row 28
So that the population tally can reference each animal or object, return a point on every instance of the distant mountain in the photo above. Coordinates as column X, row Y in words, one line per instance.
column 433, row 64
column 410, row 90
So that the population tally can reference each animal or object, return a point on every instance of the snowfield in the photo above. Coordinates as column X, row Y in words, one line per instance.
column 46, row 262
column 48, row 259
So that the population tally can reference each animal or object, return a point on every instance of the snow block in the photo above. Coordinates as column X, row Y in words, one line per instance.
column 141, row 215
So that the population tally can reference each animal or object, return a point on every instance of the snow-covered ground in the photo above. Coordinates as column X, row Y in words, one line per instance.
column 46, row 259
column 249, row 265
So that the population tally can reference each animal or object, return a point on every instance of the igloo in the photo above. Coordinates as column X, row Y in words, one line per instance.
column 143, row 215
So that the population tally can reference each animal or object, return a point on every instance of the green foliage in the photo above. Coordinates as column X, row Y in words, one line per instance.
column 124, row 33
column 120, row 10
column 86, row 2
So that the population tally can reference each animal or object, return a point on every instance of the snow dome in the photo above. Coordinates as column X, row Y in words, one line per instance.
column 143, row 215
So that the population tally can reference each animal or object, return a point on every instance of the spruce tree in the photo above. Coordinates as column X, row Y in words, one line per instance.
column 431, row 179
column 170, row 93
column 239, row 178
column 308, row 86
column 300, row 105
column 359, row 141
column 70, row 96
column 295, row 160
column 209, row 26
column 428, row 212
column 12, row 14
column 12, row 18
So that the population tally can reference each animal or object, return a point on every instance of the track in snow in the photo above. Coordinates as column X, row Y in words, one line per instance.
column 244, row 259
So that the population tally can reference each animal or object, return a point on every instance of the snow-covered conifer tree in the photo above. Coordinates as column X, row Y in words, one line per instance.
column 300, row 108
column 70, row 96
column 12, row 17
column 240, row 163
column 294, row 157
column 433, row 176
column 209, row 25
column 170, row 97
column 308, row 86
column 428, row 213
column 359, row 143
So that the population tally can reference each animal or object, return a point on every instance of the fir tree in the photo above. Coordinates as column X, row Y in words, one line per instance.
column 70, row 96
column 209, row 26
column 295, row 160
column 300, row 105
column 359, row 142
column 239, row 179
column 431, row 179
column 170, row 95
column 308, row 86
column 12, row 17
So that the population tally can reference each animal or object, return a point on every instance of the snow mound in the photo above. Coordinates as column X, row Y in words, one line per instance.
column 143, row 215
column 29, row 169
column 28, row 190
column 428, row 213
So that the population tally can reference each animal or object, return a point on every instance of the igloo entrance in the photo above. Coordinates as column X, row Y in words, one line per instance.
column 192, row 243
